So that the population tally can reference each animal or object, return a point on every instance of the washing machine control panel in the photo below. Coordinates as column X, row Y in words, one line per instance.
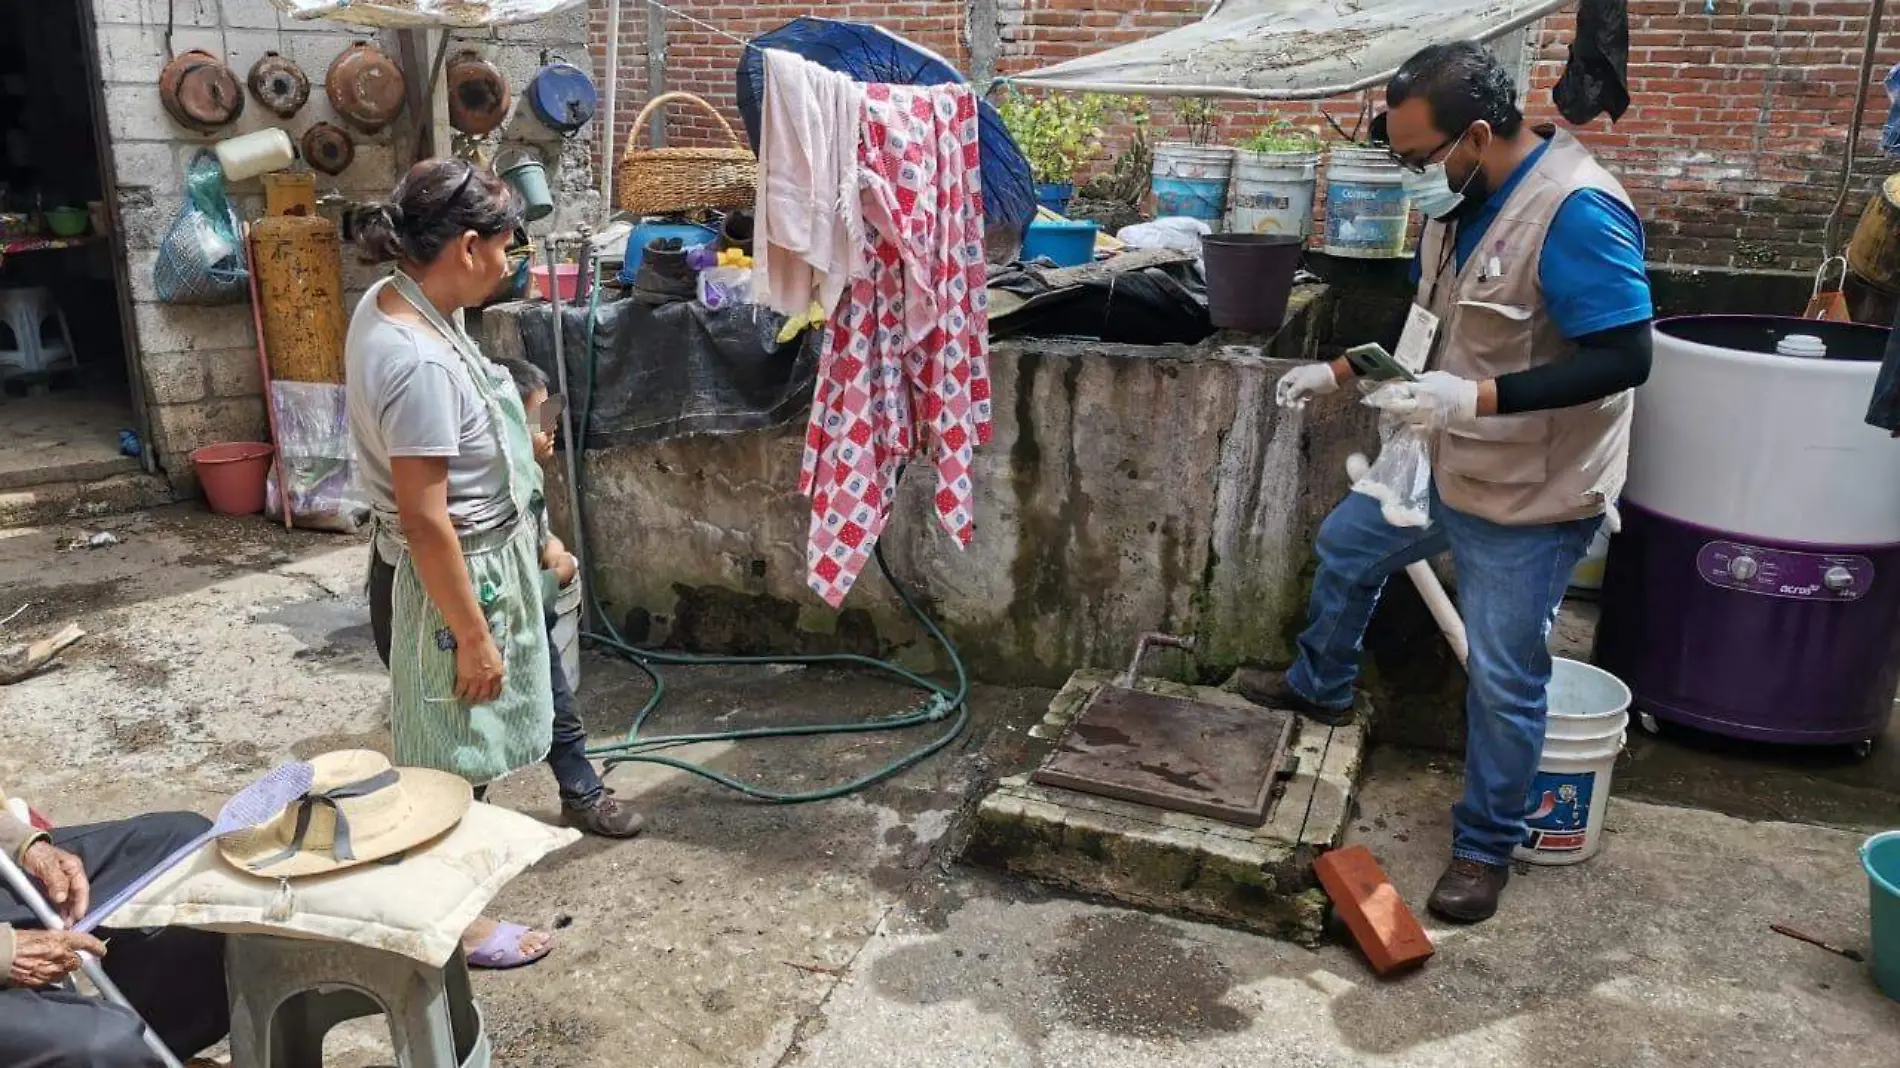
column 1777, row 573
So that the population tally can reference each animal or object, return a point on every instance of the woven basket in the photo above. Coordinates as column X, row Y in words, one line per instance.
column 663, row 181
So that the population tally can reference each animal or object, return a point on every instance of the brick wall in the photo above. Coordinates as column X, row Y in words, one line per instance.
column 1732, row 145
column 198, row 366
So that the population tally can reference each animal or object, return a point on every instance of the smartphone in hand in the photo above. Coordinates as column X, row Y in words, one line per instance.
column 1372, row 363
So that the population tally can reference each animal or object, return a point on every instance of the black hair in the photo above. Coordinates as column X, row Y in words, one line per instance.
column 528, row 378
column 438, row 201
column 1463, row 83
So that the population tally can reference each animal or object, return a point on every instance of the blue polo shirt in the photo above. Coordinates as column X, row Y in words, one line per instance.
column 1591, row 271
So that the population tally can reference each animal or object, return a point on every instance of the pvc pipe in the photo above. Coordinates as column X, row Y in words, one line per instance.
column 24, row 890
column 1444, row 613
column 607, row 110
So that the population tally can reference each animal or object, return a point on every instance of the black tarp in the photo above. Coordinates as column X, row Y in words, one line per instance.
column 676, row 369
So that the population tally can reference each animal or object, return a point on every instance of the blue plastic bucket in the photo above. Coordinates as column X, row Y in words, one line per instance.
column 1055, row 196
column 1066, row 244
column 1880, row 855
column 1191, row 181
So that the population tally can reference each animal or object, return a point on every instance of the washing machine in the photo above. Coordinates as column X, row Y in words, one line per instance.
column 1754, row 589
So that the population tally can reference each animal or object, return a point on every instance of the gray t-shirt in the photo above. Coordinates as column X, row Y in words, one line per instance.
column 409, row 394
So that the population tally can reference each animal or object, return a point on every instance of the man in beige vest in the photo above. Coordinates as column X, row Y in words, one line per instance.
column 1532, row 315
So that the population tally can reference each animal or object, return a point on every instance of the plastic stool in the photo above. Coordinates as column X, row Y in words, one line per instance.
column 25, row 313
column 287, row 993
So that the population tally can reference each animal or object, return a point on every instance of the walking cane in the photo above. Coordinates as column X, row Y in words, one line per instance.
column 24, row 889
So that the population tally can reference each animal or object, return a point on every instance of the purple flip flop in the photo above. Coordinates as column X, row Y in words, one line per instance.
column 502, row 949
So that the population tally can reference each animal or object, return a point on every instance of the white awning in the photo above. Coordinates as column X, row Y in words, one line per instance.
column 387, row 14
column 1287, row 49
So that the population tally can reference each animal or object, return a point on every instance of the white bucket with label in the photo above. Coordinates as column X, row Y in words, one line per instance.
column 1589, row 711
column 1191, row 181
column 566, row 638
column 1272, row 193
column 1367, row 209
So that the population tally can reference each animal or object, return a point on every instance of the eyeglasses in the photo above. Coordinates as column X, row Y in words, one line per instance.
column 1418, row 166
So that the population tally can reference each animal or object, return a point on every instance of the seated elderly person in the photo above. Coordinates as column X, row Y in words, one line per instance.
column 174, row 976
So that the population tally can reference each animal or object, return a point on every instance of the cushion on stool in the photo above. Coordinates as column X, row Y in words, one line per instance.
column 417, row 908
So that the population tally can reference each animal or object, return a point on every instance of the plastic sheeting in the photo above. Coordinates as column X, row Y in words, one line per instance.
column 1288, row 49
column 465, row 14
column 872, row 54
column 670, row 369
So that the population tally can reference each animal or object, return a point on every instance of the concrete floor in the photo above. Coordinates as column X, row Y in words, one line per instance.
column 62, row 436
column 835, row 935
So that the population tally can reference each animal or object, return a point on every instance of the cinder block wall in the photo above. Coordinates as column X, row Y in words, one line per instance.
column 198, row 366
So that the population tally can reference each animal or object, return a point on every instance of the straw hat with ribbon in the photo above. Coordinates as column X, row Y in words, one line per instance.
column 359, row 809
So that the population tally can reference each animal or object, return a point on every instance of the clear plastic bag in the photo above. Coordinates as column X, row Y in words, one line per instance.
column 201, row 257
column 723, row 287
column 1401, row 478
column 313, row 443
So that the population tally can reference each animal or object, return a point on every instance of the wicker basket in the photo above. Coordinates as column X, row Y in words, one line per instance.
column 662, row 181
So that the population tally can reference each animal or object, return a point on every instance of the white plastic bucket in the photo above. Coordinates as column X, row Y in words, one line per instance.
column 1367, row 210
column 567, row 633
column 1191, row 181
column 1272, row 193
column 1589, row 711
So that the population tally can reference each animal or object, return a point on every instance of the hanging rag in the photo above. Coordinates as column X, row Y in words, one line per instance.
column 1595, row 81
column 1890, row 137
column 906, row 360
column 808, row 235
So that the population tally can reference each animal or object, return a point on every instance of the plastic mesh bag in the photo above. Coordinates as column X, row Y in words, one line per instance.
column 1401, row 478
column 313, row 442
column 201, row 257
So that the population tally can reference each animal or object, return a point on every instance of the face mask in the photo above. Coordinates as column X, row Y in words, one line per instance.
column 1431, row 191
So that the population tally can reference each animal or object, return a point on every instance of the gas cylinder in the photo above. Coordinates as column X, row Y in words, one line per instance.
column 298, row 259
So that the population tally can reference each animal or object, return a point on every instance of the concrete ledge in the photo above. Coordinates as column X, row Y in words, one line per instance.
column 1255, row 879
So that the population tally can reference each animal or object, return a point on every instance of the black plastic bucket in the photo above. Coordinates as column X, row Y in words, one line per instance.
column 1249, row 278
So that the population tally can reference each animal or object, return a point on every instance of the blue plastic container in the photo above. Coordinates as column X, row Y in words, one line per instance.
column 1880, row 855
column 690, row 236
column 1055, row 196
column 1066, row 244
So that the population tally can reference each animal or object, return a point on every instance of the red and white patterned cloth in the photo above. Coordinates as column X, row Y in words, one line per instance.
column 906, row 359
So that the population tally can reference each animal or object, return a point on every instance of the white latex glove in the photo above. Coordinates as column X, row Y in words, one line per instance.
column 1437, row 399
column 1303, row 383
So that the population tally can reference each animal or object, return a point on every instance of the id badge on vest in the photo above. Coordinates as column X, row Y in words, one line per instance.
column 1415, row 342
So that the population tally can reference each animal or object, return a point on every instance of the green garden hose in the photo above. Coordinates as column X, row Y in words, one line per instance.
column 941, row 703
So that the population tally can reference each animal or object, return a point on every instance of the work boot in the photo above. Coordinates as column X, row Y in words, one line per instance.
column 1468, row 891
column 664, row 275
column 608, row 817
column 1270, row 690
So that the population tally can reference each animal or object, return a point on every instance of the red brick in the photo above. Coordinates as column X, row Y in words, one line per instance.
column 1381, row 924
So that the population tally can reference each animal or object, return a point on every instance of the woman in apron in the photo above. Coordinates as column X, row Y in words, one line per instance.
column 445, row 458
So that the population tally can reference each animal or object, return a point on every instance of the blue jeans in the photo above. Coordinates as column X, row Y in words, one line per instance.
column 1511, row 581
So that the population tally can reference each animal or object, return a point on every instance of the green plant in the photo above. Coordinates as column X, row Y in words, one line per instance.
column 1201, row 116
column 1057, row 133
column 1280, row 135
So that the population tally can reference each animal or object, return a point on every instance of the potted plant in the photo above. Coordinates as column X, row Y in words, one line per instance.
column 1280, row 136
column 1272, row 187
column 1058, row 133
column 1190, row 178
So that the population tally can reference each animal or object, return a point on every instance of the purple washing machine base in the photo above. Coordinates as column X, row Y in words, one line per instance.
column 1773, row 655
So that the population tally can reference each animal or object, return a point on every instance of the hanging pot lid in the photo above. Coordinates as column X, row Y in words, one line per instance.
column 199, row 92
column 365, row 86
column 279, row 84
column 478, row 94
column 563, row 96
column 328, row 148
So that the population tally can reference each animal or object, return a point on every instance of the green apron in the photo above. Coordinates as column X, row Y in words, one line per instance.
column 433, row 728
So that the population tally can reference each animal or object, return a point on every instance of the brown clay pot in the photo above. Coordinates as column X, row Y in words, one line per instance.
column 328, row 148
column 478, row 94
column 365, row 86
column 199, row 92
column 279, row 84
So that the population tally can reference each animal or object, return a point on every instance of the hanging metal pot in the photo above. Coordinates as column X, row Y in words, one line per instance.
column 365, row 86
column 279, row 84
column 563, row 96
column 478, row 94
column 328, row 148
column 199, row 92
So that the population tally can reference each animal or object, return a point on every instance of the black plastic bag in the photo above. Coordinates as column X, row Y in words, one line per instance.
column 1595, row 81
